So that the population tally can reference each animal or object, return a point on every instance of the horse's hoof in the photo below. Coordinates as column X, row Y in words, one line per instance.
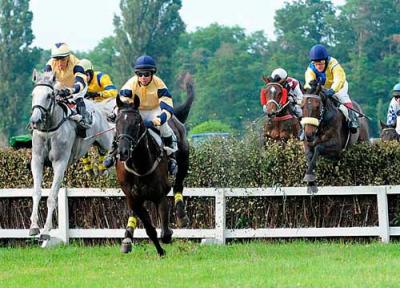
column 309, row 178
column 44, row 237
column 161, row 252
column 312, row 189
column 167, row 236
column 34, row 231
column 126, row 246
column 182, row 222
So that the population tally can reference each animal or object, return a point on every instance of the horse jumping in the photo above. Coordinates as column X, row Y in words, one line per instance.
column 142, row 170
column 326, row 131
column 280, row 123
column 55, row 140
column 389, row 133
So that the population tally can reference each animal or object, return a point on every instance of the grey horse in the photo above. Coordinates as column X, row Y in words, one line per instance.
column 54, row 139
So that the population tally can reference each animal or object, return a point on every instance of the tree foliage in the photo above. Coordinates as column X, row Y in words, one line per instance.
column 151, row 27
column 17, row 60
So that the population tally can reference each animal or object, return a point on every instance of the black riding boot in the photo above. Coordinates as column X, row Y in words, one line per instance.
column 354, row 123
column 110, row 158
column 172, row 164
column 81, row 109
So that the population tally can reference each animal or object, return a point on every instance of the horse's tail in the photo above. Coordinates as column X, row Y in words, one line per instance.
column 182, row 111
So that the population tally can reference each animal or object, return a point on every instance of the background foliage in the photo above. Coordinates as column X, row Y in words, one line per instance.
column 227, row 63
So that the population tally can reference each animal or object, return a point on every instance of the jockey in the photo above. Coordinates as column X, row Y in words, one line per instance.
column 100, row 86
column 62, row 63
column 329, row 73
column 292, row 85
column 394, row 109
column 156, row 105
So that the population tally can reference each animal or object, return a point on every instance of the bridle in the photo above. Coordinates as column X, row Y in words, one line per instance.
column 314, row 121
column 133, row 144
column 281, row 105
column 47, row 112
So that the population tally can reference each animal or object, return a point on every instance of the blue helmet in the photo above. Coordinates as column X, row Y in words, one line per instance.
column 145, row 63
column 396, row 90
column 318, row 52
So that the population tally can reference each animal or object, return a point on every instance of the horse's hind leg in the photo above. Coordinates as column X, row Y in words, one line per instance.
column 166, row 232
column 183, row 165
column 37, row 172
column 59, row 168
column 142, row 213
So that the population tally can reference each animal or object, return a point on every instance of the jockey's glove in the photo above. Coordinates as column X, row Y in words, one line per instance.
column 91, row 95
column 148, row 123
column 329, row 92
column 64, row 93
column 156, row 121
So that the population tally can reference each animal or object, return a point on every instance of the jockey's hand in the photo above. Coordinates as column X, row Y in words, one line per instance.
column 156, row 121
column 91, row 95
column 329, row 92
column 148, row 124
column 64, row 93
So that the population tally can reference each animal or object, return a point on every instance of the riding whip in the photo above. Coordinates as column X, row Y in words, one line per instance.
column 99, row 133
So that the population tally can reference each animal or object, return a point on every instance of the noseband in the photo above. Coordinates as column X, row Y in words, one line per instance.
column 314, row 121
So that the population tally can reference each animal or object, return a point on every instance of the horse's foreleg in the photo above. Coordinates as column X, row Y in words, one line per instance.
column 183, row 165
column 59, row 168
column 310, row 178
column 37, row 172
column 163, row 211
column 142, row 213
column 126, row 245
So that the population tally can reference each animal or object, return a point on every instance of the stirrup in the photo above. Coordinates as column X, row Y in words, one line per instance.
column 172, row 166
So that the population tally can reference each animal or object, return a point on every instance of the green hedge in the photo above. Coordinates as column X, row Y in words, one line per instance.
column 231, row 163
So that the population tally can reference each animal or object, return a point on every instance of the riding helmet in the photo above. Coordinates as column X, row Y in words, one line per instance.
column 60, row 50
column 396, row 90
column 318, row 52
column 145, row 63
column 279, row 74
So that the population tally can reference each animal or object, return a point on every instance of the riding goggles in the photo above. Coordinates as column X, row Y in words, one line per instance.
column 143, row 73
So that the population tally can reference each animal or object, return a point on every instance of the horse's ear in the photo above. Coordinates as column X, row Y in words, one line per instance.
column 266, row 79
column 136, row 101
column 119, row 102
column 383, row 125
column 34, row 75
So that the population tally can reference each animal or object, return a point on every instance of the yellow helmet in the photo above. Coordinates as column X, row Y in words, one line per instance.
column 85, row 64
column 60, row 50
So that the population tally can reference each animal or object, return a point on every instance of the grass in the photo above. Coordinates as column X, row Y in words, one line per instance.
column 188, row 264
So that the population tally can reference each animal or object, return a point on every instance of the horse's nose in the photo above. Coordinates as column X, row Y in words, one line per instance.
column 123, row 153
column 309, row 137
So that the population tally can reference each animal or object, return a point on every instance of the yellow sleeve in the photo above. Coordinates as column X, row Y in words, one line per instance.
column 309, row 76
column 165, row 99
column 339, row 77
column 110, row 91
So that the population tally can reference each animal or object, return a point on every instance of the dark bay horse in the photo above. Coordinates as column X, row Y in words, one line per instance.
column 280, row 123
column 142, row 171
column 326, row 131
column 388, row 132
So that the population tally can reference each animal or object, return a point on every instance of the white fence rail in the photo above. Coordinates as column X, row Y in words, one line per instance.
column 219, row 234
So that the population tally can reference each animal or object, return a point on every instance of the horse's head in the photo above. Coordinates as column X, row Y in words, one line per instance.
column 312, row 113
column 43, row 98
column 388, row 132
column 129, row 127
column 276, row 97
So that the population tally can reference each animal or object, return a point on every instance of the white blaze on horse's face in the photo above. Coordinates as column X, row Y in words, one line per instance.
column 273, row 90
column 41, row 96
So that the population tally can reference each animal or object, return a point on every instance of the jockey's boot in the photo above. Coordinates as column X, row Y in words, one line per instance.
column 86, row 120
column 170, row 143
column 110, row 158
column 354, row 123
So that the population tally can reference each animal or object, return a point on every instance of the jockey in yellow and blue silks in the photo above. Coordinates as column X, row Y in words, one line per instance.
column 156, row 105
column 327, row 71
column 62, row 63
column 393, row 114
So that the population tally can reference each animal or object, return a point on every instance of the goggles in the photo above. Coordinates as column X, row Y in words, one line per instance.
column 143, row 73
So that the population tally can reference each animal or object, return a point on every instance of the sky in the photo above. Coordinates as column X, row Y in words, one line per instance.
column 83, row 23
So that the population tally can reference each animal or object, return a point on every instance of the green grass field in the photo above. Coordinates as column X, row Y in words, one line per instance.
column 189, row 264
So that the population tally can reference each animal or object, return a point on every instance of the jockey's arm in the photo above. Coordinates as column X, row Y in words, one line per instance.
column 110, row 91
column 309, row 76
column 339, row 77
column 166, row 104
column 393, row 109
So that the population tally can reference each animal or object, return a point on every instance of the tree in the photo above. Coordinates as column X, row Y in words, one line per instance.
column 17, row 60
column 151, row 27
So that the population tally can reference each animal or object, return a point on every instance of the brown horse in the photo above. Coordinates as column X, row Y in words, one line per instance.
column 389, row 133
column 142, row 171
column 280, row 123
column 326, row 131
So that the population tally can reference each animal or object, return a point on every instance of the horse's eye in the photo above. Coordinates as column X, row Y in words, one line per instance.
column 49, row 96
